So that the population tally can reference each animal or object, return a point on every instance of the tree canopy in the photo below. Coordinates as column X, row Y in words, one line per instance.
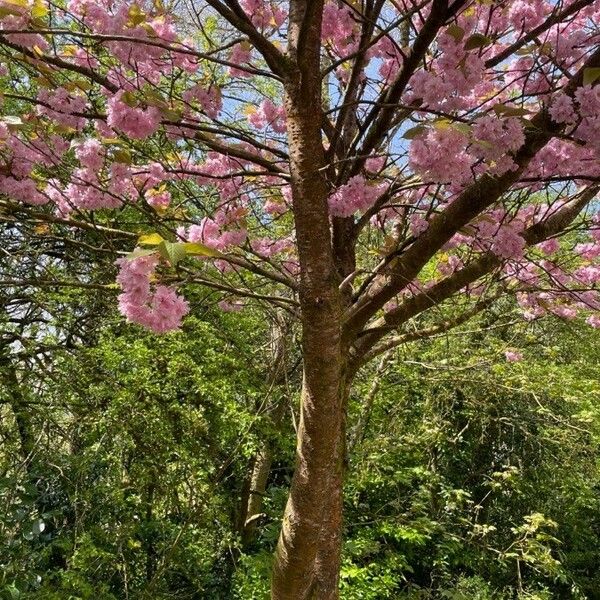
column 374, row 172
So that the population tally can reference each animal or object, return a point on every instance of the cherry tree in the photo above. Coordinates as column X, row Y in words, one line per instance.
column 379, row 170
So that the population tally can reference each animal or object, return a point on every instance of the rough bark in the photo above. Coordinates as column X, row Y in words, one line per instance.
column 307, row 558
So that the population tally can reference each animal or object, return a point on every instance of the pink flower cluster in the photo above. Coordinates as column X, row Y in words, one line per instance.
column 268, row 115
column 138, row 123
column 513, row 356
column 159, row 309
column 338, row 27
column 208, row 98
column 495, row 138
column 158, row 199
column 501, row 236
column 356, row 195
column 210, row 233
column 241, row 54
column 452, row 77
column 63, row 107
column 440, row 156
column 527, row 14
column 264, row 14
column 21, row 158
column 586, row 115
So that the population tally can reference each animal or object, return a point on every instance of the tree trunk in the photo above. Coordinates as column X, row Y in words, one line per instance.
column 307, row 559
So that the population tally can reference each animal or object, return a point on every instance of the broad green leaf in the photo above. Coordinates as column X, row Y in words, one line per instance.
column 477, row 40
column 196, row 249
column 39, row 10
column 136, row 16
column 413, row 132
column 7, row 11
column 456, row 32
column 150, row 239
column 462, row 127
column 511, row 111
column 590, row 75
column 129, row 99
column 122, row 156
column 172, row 252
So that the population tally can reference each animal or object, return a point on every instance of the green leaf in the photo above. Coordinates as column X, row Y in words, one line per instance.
column 129, row 99
column 172, row 114
column 462, row 127
column 526, row 50
column 413, row 132
column 456, row 32
column 172, row 252
column 39, row 10
column 6, row 11
column 511, row 111
column 195, row 249
column 590, row 75
column 122, row 156
column 477, row 40
column 150, row 239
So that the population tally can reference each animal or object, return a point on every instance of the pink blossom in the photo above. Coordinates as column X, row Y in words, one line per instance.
column 440, row 156
column 418, row 224
column 208, row 98
column 90, row 154
column 159, row 309
column 137, row 123
column 562, row 110
column 63, row 107
column 264, row 14
column 240, row 55
column 375, row 164
column 550, row 246
column 159, row 200
column 356, row 195
column 268, row 115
